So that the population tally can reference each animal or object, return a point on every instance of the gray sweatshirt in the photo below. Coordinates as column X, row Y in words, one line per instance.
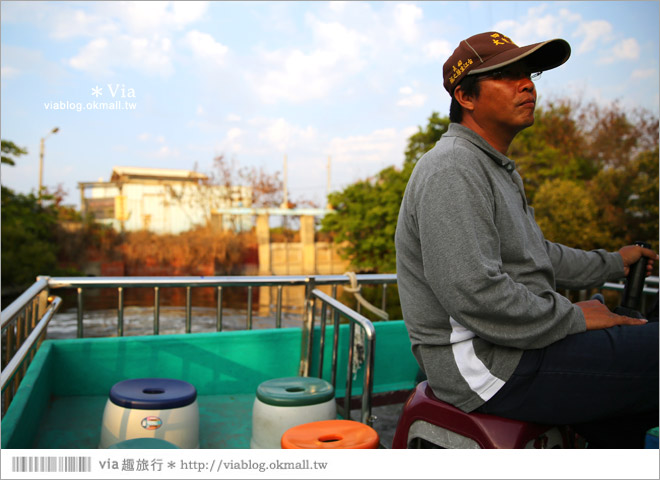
column 477, row 279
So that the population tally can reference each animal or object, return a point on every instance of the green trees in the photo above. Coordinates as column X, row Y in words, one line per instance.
column 627, row 200
column 421, row 142
column 565, row 210
column 9, row 148
column 34, row 241
column 365, row 213
column 364, row 219
column 590, row 172
column 28, row 242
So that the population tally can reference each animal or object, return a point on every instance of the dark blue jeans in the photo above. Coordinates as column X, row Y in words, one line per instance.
column 604, row 383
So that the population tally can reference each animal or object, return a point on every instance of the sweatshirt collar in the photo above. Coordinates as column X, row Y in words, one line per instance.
column 458, row 130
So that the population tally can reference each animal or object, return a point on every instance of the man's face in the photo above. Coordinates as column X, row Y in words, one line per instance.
column 506, row 100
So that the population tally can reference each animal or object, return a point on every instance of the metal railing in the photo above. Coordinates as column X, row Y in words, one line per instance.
column 366, row 354
column 650, row 289
column 219, row 283
column 25, row 320
column 24, row 324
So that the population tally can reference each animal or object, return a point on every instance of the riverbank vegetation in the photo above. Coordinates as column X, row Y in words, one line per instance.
column 590, row 172
column 42, row 236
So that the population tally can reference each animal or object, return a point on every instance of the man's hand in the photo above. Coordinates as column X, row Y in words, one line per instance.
column 598, row 316
column 632, row 253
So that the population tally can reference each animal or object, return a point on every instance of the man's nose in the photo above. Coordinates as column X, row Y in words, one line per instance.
column 526, row 84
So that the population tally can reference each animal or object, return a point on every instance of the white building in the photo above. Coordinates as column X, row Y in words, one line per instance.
column 163, row 201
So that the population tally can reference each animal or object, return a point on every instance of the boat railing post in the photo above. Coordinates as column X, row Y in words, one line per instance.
column 32, row 310
column 278, row 310
column 349, row 372
column 42, row 301
column 156, row 310
column 120, row 312
column 11, row 347
column 335, row 347
column 312, row 319
column 324, row 307
column 19, row 355
column 218, row 323
column 188, row 309
column 20, row 327
column 359, row 360
column 249, row 308
column 9, row 342
column 334, row 296
column 80, row 332
column 368, row 384
column 308, row 329
column 32, row 321
column 21, row 335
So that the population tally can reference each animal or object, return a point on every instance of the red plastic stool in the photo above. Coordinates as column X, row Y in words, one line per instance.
column 425, row 417
column 331, row 434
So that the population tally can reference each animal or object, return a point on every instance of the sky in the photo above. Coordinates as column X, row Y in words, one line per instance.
column 344, row 83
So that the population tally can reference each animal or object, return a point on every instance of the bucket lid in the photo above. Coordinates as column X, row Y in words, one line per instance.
column 153, row 393
column 295, row 391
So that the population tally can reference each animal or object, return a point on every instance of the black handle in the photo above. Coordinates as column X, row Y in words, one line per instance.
column 632, row 293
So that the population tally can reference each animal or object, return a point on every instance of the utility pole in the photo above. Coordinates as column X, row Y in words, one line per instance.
column 327, row 188
column 285, row 205
column 41, row 161
column 285, row 201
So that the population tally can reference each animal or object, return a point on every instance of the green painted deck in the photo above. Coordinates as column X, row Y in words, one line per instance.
column 61, row 399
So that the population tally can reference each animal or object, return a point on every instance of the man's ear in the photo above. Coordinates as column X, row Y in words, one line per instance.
column 464, row 100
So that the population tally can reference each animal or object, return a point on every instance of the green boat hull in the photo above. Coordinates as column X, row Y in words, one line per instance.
column 60, row 402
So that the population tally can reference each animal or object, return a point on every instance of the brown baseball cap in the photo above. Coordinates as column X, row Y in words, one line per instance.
column 491, row 50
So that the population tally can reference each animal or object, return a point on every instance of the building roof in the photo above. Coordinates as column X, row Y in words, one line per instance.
column 127, row 173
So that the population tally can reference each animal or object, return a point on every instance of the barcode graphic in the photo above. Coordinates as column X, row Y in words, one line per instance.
column 51, row 464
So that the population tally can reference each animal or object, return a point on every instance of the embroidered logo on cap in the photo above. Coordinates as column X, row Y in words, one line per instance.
column 459, row 68
column 499, row 39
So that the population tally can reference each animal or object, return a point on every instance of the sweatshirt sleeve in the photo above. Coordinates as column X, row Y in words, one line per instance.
column 578, row 269
column 460, row 245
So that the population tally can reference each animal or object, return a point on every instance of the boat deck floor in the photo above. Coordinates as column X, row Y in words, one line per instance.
column 225, row 422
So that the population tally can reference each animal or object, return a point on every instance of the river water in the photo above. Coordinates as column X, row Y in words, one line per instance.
column 140, row 321
column 100, row 318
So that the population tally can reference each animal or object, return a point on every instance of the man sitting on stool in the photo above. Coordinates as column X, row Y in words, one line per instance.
column 478, row 280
